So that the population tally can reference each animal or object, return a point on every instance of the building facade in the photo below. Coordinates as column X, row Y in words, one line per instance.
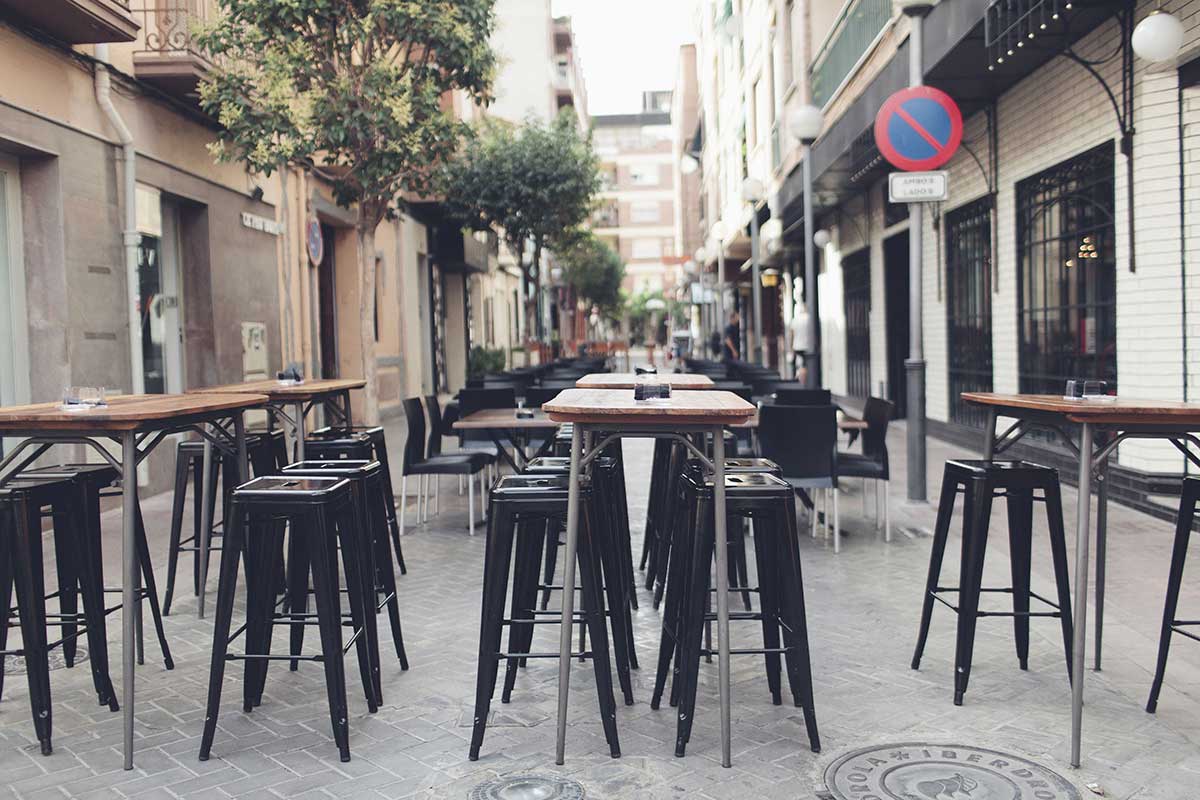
column 1034, row 270
column 636, row 215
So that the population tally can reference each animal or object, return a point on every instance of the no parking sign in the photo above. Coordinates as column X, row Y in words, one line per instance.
column 918, row 128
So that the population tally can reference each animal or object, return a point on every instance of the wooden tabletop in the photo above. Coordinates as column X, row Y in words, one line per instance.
column 627, row 380
column 1115, row 412
column 287, row 392
column 504, row 418
column 124, row 412
column 617, row 406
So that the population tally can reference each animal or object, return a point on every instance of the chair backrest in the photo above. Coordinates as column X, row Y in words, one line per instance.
column 802, row 440
column 434, row 448
column 878, row 415
column 803, row 397
column 414, row 445
column 742, row 390
column 535, row 396
column 472, row 400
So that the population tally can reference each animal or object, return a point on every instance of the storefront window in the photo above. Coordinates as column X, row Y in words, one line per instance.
column 1067, row 274
column 969, row 306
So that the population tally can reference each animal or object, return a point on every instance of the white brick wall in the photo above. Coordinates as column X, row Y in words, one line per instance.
column 1054, row 114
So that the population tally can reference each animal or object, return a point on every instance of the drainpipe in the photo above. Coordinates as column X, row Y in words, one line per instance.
column 130, row 232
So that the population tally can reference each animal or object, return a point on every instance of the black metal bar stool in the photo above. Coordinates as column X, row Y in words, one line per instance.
column 75, row 491
column 360, row 444
column 370, row 496
column 981, row 481
column 314, row 510
column 267, row 452
column 771, row 503
column 616, row 560
column 520, row 504
column 1170, row 623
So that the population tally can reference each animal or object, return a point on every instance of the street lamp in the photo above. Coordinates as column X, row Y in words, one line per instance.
column 804, row 125
column 753, row 192
column 1158, row 37
column 688, row 165
column 822, row 239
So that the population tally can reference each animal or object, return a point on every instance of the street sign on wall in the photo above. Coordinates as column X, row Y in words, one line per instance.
column 918, row 129
column 918, row 187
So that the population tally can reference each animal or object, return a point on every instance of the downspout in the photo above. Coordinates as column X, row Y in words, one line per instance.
column 1183, row 248
column 130, row 234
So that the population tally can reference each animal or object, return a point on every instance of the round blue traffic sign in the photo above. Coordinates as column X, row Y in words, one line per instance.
column 918, row 128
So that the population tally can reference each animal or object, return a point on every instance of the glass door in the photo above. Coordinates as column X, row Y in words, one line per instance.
column 158, row 298
column 14, row 354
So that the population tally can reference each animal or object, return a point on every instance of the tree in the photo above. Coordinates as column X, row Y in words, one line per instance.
column 532, row 181
column 592, row 268
column 351, row 90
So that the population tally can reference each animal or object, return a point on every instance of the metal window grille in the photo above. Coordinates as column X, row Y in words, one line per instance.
column 856, row 279
column 969, row 306
column 1066, row 273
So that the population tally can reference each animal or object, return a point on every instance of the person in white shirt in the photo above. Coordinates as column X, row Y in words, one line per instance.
column 800, row 343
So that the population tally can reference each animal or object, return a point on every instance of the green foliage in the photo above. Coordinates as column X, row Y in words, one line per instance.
column 485, row 361
column 532, row 181
column 593, row 268
column 351, row 89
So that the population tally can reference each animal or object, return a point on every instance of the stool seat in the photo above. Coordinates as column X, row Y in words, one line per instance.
column 299, row 490
column 551, row 488
column 462, row 463
column 856, row 465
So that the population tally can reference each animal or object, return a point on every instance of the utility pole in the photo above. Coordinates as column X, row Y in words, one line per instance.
column 916, row 11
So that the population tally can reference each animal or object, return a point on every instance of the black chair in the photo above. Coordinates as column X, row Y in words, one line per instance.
column 537, row 396
column 803, row 397
column 315, row 510
column 802, row 440
column 439, row 426
column 872, row 463
column 472, row 400
column 1170, row 623
column 467, row 463
column 981, row 481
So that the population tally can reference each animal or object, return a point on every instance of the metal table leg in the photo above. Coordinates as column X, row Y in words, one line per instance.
column 568, row 591
column 206, row 522
column 1101, row 557
column 989, row 433
column 129, row 599
column 1081, row 586
column 722, row 548
column 298, row 429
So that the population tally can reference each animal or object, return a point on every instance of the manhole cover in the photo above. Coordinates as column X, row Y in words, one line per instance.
column 15, row 665
column 942, row 772
column 528, row 787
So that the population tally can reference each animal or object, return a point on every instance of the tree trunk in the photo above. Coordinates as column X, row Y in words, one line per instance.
column 366, row 315
column 539, row 332
column 285, row 338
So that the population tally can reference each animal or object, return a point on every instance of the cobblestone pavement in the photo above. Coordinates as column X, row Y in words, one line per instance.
column 862, row 609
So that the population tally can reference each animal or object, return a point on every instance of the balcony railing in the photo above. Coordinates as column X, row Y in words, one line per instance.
column 852, row 33
column 169, row 54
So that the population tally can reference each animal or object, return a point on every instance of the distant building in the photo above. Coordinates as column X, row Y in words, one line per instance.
column 636, row 216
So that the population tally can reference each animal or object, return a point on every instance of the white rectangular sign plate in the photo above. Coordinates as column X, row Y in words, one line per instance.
column 918, row 187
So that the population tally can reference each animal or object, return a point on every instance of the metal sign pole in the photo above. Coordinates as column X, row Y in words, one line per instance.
column 915, row 365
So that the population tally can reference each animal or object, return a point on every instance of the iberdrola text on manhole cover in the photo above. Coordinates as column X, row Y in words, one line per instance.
column 915, row 771
column 528, row 787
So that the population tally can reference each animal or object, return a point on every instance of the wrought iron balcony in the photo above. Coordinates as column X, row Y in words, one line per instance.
column 852, row 33
column 169, row 56
column 77, row 21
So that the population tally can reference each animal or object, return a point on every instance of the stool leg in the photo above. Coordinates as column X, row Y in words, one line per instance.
column 383, row 563
column 941, row 531
column 676, row 593
column 613, row 583
column 695, row 612
column 297, row 582
column 258, row 611
column 791, row 594
column 524, row 596
column 6, row 592
column 382, row 456
column 497, row 558
column 1183, row 533
column 592, row 602
column 1020, row 539
column 272, row 572
column 550, row 564
column 766, row 555
column 226, row 592
column 975, row 531
column 66, row 561
column 92, row 585
column 151, row 588
column 1062, row 577
column 31, row 599
column 737, row 552
column 322, row 551
column 177, row 503
column 352, row 529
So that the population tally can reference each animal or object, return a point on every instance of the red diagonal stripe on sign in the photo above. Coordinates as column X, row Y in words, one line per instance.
column 916, row 126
